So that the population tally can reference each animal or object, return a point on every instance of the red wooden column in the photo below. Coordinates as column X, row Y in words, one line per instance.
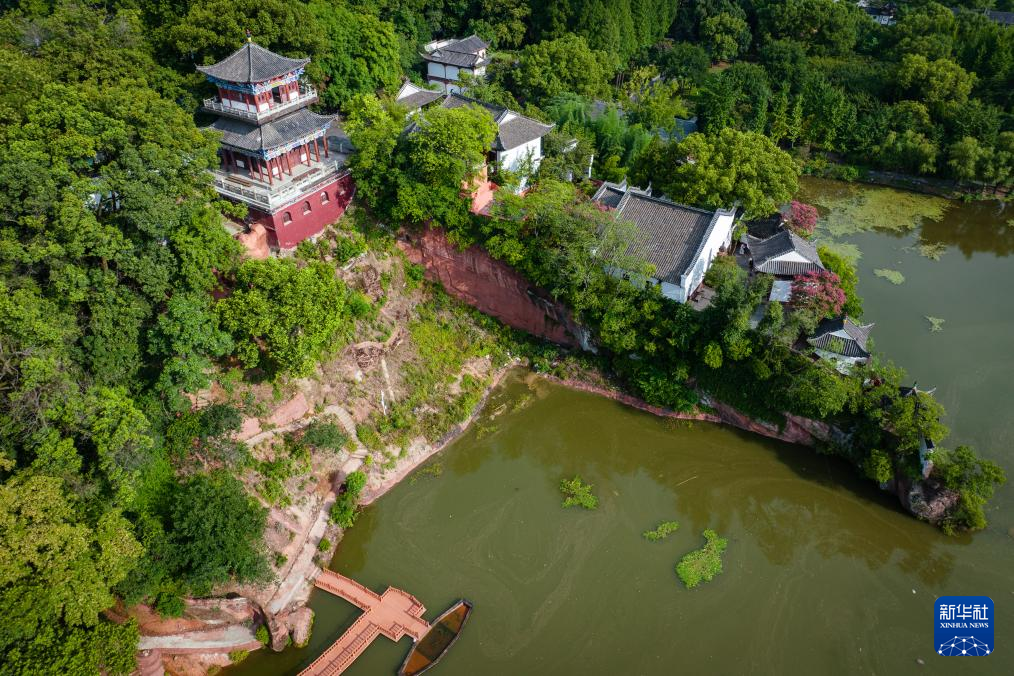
column 270, row 177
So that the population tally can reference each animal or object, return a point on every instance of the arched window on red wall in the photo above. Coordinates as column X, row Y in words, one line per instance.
column 306, row 207
column 286, row 218
column 324, row 199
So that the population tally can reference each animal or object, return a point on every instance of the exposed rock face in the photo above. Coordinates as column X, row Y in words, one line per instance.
column 300, row 622
column 926, row 499
column 255, row 242
column 290, row 411
column 491, row 286
column 250, row 428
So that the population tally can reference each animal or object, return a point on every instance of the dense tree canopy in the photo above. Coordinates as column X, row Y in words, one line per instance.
column 729, row 169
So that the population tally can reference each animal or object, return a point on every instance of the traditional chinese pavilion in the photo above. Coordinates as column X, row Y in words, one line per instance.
column 282, row 160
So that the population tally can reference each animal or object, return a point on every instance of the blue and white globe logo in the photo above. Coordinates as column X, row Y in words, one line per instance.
column 964, row 626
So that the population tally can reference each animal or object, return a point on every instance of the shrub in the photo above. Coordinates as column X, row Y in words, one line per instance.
column 878, row 466
column 325, row 433
column 345, row 507
column 349, row 246
column 262, row 635
column 169, row 603
column 662, row 531
column 324, row 545
column 702, row 565
column 414, row 275
column 237, row 656
column 578, row 494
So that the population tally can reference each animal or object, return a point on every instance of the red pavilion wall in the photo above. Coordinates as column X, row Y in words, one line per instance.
column 287, row 235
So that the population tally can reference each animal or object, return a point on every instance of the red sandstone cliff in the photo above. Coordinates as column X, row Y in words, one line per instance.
column 491, row 286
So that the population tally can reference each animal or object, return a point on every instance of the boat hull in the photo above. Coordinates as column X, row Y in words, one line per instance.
column 428, row 650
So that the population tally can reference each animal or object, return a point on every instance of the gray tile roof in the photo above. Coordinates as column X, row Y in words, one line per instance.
column 672, row 234
column 461, row 53
column 513, row 129
column 259, row 139
column 610, row 194
column 763, row 251
column 473, row 44
column 252, row 63
column 414, row 97
column 852, row 344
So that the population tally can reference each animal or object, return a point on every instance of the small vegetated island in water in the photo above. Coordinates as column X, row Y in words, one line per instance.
column 703, row 564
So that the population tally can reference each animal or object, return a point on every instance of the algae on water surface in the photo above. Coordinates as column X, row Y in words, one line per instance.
column 893, row 276
column 852, row 209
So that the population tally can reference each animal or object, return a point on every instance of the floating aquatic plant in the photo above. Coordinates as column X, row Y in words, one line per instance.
column 661, row 532
column 936, row 324
column 702, row 565
column 578, row 494
column 931, row 250
column 893, row 276
column 854, row 209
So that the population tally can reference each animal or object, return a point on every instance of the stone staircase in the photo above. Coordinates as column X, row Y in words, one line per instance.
column 359, row 452
column 149, row 663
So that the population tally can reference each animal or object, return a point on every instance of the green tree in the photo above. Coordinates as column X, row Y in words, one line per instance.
column 725, row 35
column 684, row 63
column 967, row 159
column 214, row 29
column 975, row 480
column 361, row 53
column 56, row 570
column 939, row 83
column 216, row 533
column 285, row 318
column 567, row 64
column 722, row 170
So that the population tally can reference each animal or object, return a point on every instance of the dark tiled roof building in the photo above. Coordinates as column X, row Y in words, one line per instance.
column 842, row 340
column 448, row 59
column 679, row 241
column 785, row 254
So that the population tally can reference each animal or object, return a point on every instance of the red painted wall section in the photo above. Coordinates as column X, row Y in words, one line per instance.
column 304, row 224
column 490, row 286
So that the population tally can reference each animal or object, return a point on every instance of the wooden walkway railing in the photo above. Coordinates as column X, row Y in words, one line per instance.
column 393, row 614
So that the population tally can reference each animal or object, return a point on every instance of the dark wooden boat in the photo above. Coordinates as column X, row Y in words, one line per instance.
column 428, row 650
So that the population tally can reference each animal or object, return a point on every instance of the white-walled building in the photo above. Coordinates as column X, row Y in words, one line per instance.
column 446, row 60
column 680, row 241
column 518, row 143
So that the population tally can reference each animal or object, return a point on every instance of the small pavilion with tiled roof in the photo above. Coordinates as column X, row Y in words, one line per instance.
column 276, row 154
column 842, row 341
column 679, row 241
column 784, row 254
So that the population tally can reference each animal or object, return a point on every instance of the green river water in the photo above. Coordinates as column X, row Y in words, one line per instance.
column 823, row 574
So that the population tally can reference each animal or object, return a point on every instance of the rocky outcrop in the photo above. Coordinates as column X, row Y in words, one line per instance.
column 299, row 623
column 491, row 286
column 290, row 411
column 926, row 499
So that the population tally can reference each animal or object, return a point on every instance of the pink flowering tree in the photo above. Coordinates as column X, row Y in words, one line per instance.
column 802, row 218
column 817, row 294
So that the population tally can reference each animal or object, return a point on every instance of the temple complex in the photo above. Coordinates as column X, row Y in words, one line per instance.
column 282, row 160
